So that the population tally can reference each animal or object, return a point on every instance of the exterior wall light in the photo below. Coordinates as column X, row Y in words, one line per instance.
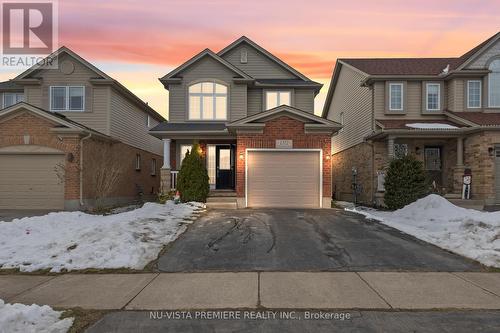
column 328, row 157
column 490, row 151
column 242, row 156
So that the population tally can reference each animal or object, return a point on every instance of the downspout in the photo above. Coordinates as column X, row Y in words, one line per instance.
column 81, row 167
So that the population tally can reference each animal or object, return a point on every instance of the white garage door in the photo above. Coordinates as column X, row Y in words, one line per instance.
column 30, row 182
column 283, row 178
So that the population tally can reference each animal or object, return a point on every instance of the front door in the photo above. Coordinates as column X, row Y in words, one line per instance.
column 433, row 165
column 224, row 167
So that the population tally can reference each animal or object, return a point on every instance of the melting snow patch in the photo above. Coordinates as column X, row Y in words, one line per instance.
column 32, row 318
column 434, row 219
column 75, row 240
column 431, row 126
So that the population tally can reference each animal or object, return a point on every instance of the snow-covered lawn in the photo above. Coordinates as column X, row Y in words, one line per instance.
column 31, row 319
column 434, row 219
column 75, row 240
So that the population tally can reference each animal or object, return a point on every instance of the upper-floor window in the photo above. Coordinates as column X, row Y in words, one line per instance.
column 276, row 98
column 494, row 84
column 433, row 98
column 67, row 98
column 473, row 94
column 12, row 98
column 395, row 96
column 207, row 101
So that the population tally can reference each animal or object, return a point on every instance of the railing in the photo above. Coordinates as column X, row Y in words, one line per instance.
column 173, row 179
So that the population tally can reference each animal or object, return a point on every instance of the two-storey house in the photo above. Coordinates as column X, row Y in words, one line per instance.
column 72, row 135
column 253, row 116
column 445, row 111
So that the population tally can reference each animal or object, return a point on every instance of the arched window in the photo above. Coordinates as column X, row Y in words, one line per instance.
column 207, row 101
column 494, row 84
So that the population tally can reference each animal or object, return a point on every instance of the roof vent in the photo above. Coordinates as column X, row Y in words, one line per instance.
column 243, row 56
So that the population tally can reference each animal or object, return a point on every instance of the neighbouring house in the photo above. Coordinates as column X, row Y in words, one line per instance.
column 445, row 111
column 253, row 116
column 72, row 138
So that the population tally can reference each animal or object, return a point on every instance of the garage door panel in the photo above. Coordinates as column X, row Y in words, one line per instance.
column 283, row 179
column 30, row 182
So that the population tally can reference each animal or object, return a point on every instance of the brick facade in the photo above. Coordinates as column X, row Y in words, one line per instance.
column 285, row 128
column 26, row 128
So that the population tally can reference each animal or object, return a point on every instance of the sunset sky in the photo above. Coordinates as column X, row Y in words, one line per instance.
column 136, row 42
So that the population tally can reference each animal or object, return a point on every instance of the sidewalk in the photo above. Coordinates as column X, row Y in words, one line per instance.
column 278, row 290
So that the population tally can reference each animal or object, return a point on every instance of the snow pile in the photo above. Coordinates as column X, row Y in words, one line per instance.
column 431, row 126
column 32, row 318
column 75, row 240
column 434, row 219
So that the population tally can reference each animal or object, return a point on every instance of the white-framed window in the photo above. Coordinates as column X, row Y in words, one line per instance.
column 138, row 162
column 184, row 148
column 494, row 84
column 278, row 97
column 396, row 97
column 12, row 98
column 433, row 98
column 341, row 121
column 67, row 98
column 153, row 167
column 207, row 101
column 473, row 94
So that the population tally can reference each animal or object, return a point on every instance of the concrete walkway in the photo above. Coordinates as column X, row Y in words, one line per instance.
column 278, row 290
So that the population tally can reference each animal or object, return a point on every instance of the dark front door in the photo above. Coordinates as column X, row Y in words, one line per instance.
column 434, row 165
column 224, row 166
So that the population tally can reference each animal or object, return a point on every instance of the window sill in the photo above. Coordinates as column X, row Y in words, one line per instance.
column 138, row 170
column 397, row 113
column 426, row 112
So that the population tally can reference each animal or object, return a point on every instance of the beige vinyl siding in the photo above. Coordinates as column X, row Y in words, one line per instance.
column 413, row 99
column 456, row 91
column 356, row 104
column 207, row 68
column 128, row 124
column 258, row 65
column 482, row 61
column 255, row 100
column 95, row 115
column 304, row 99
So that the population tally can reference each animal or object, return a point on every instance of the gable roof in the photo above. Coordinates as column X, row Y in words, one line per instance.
column 244, row 39
column 416, row 66
column 256, row 119
column 199, row 56
column 55, row 117
column 103, row 76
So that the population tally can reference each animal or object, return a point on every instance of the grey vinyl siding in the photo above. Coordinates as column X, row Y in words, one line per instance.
column 258, row 65
column 95, row 115
column 304, row 99
column 128, row 124
column 482, row 61
column 255, row 100
column 456, row 91
column 356, row 104
column 207, row 68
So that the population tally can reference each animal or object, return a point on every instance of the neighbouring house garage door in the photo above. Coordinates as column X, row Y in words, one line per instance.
column 30, row 182
column 283, row 179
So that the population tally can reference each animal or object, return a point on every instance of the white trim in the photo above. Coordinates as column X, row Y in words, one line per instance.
column 66, row 107
column 213, row 95
column 480, row 94
column 278, row 93
column 402, row 96
column 427, row 96
column 320, row 151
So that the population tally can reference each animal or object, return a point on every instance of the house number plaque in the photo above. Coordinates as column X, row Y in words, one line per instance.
column 284, row 144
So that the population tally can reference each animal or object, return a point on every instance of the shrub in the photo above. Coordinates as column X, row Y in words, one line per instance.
column 192, row 181
column 405, row 182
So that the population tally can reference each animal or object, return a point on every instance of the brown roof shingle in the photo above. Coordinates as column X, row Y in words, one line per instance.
column 479, row 118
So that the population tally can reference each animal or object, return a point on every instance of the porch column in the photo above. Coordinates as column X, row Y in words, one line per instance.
column 460, row 151
column 390, row 147
column 166, row 153
column 165, row 169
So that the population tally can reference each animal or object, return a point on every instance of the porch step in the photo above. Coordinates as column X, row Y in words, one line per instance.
column 219, row 203
column 222, row 193
column 469, row 204
column 221, row 199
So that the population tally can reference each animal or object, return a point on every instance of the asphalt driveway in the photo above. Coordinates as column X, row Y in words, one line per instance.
column 301, row 240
